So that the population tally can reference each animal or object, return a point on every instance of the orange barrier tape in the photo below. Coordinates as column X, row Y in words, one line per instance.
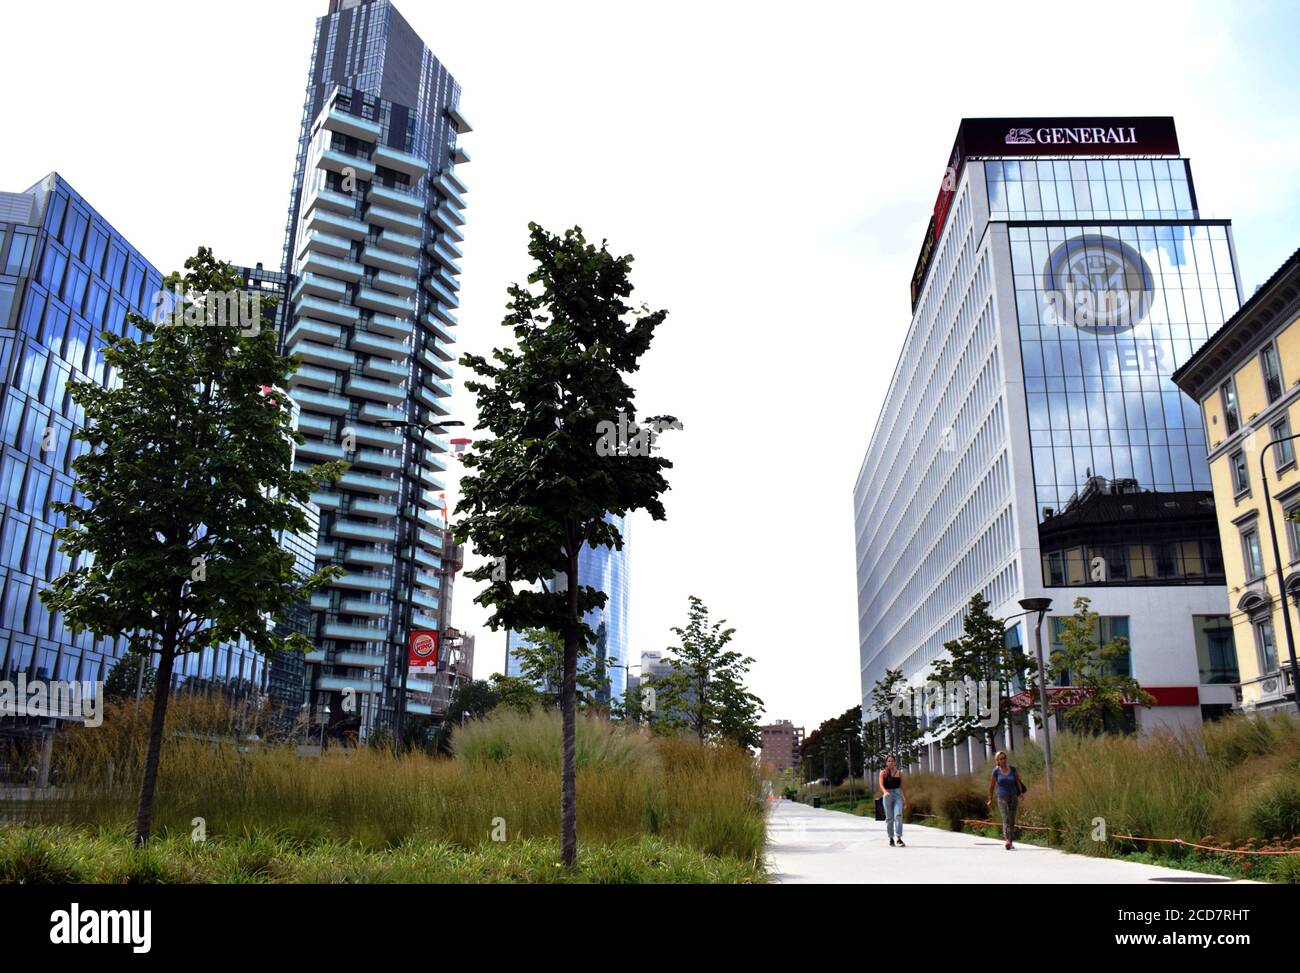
column 1133, row 837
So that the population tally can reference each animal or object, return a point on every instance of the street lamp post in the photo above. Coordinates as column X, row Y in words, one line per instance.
column 1041, row 605
column 1277, row 563
column 406, row 540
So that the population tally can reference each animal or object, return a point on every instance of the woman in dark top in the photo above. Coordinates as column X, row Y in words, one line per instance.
column 895, row 799
column 1005, row 780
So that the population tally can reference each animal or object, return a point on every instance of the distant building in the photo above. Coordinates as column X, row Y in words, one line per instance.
column 781, row 743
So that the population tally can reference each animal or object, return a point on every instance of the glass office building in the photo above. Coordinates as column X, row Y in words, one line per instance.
column 373, row 247
column 606, row 569
column 1032, row 442
column 66, row 277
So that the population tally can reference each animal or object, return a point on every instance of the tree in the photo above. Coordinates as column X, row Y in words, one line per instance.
column 540, row 486
column 188, row 484
column 1099, row 670
column 469, row 701
column 980, row 657
column 133, row 670
column 705, row 691
column 899, row 734
column 835, row 749
column 541, row 662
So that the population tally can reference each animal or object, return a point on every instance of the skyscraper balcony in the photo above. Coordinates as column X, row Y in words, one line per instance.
column 362, row 684
column 443, row 348
column 322, row 241
column 365, row 483
column 375, row 459
column 336, row 224
column 399, row 161
column 447, row 219
column 313, row 425
column 311, row 375
column 326, row 500
column 375, row 412
column 400, row 242
column 362, row 581
column 394, row 219
column 331, row 266
column 420, row 620
column 321, row 401
column 446, row 187
column 360, row 530
column 377, row 436
column 369, row 388
column 361, row 633
column 321, row 451
column 385, row 369
column 323, row 197
column 310, row 352
column 379, row 509
column 316, row 330
column 337, row 120
column 459, row 154
column 395, row 197
column 424, row 579
column 329, row 310
column 437, row 322
column 440, row 252
column 365, row 555
column 398, row 284
column 318, row 286
column 377, row 300
column 390, row 260
column 458, row 120
column 360, row 606
column 430, row 480
column 342, row 163
column 455, row 181
column 374, row 344
column 444, row 294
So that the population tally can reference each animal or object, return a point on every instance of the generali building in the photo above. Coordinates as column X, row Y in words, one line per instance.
column 1031, row 443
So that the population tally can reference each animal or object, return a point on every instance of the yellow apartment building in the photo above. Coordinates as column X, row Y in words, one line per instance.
column 1246, row 379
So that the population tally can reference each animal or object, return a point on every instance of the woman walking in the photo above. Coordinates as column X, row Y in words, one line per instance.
column 895, row 799
column 1005, row 781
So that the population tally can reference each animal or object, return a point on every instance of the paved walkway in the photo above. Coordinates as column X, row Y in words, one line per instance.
column 814, row 845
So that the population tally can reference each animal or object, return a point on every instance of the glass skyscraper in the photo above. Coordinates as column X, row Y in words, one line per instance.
column 373, row 246
column 66, row 276
column 606, row 569
column 1031, row 442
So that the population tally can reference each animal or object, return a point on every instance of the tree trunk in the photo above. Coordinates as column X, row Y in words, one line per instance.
column 161, row 694
column 568, row 709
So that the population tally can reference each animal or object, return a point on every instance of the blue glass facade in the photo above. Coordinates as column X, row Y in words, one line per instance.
column 606, row 569
column 1107, row 311
column 68, row 276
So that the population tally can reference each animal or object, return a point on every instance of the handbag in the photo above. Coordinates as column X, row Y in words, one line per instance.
column 880, row 809
column 1021, row 786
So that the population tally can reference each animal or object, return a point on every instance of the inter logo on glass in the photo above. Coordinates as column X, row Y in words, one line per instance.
column 1098, row 283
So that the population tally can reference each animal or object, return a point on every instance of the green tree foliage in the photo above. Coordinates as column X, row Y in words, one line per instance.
column 188, row 482
column 705, row 692
column 132, row 670
column 826, row 751
column 980, row 656
column 541, row 662
column 540, row 485
column 893, row 733
column 1100, row 671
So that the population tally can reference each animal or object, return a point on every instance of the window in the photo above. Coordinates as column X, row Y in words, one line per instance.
column 1240, row 473
column 1266, row 646
column 1285, row 445
column 1229, row 396
column 1216, row 651
column 21, row 248
column 6, row 302
column 1254, row 560
column 1272, row 372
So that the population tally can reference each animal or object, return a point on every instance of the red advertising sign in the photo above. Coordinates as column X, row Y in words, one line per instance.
column 1062, row 697
column 423, row 652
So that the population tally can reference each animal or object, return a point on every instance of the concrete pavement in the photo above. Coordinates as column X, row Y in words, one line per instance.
column 814, row 845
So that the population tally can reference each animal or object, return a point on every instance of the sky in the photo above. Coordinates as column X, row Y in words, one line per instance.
column 772, row 167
